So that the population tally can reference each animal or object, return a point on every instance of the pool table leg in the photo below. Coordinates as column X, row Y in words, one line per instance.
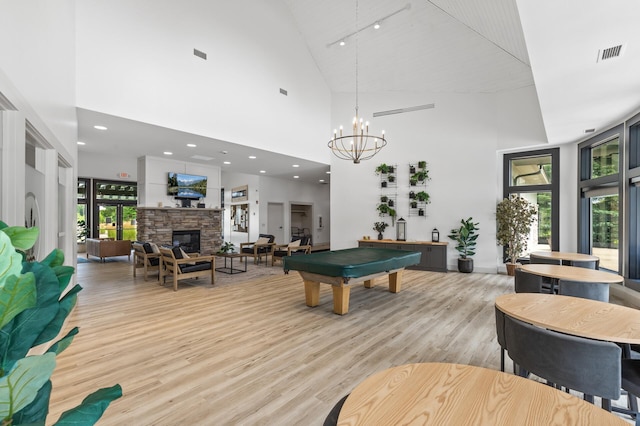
column 395, row 281
column 341, row 298
column 312, row 293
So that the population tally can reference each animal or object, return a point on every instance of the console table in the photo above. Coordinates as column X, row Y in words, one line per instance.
column 434, row 255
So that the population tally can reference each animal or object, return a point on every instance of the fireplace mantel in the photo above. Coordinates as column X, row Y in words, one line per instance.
column 156, row 224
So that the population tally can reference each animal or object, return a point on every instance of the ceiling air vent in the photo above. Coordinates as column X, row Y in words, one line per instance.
column 403, row 110
column 610, row 53
column 200, row 54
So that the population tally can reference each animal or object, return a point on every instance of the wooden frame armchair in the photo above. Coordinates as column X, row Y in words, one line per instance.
column 294, row 248
column 255, row 249
column 182, row 268
column 144, row 257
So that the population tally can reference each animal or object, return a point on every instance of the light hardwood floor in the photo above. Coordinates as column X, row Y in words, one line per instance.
column 250, row 352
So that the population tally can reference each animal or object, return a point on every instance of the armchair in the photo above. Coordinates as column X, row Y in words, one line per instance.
column 144, row 256
column 262, row 246
column 181, row 267
column 297, row 246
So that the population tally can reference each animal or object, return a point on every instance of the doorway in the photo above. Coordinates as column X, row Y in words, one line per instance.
column 302, row 221
column 275, row 221
column 116, row 221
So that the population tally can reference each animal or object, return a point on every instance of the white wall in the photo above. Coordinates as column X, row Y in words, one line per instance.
column 106, row 166
column 130, row 66
column 37, row 76
column 152, row 185
column 458, row 139
column 264, row 190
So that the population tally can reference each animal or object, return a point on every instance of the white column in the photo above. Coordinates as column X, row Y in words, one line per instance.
column 12, row 170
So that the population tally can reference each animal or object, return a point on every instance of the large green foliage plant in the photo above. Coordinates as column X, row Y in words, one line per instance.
column 515, row 215
column 34, row 303
column 465, row 237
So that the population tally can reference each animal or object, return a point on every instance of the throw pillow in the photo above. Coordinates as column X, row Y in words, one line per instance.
column 262, row 240
column 154, row 247
column 147, row 248
column 295, row 243
column 186, row 256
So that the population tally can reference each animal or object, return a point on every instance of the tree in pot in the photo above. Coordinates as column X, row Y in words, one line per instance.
column 514, row 216
column 380, row 227
column 465, row 237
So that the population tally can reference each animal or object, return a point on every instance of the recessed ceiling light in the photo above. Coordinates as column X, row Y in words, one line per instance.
column 342, row 43
column 321, row 180
column 296, row 177
column 263, row 171
column 191, row 145
column 168, row 153
column 253, row 157
column 100, row 127
column 589, row 130
column 376, row 25
column 296, row 165
column 81, row 143
column 329, row 172
column 227, row 162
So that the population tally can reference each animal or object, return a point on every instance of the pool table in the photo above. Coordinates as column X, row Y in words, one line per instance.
column 343, row 267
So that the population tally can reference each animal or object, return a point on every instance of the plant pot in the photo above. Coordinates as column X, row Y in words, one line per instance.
column 392, row 178
column 390, row 203
column 412, row 169
column 414, row 204
column 511, row 268
column 422, row 164
column 413, row 182
column 384, row 199
column 421, row 212
column 82, row 247
column 465, row 265
column 383, row 184
column 412, row 195
column 390, row 169
column 379, row 235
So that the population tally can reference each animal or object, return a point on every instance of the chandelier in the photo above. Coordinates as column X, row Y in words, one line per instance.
column 359, row 145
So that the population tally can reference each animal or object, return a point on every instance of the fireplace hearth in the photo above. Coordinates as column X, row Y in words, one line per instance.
column 189, row 241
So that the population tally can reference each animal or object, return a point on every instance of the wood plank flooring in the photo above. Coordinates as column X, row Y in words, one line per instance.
column 249, row 352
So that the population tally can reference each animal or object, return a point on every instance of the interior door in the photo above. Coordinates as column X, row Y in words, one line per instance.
column 275, row 221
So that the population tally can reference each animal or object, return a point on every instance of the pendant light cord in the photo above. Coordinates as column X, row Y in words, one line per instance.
column 357, row 29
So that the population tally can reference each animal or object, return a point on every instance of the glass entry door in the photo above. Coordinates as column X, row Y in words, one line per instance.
column 116, row 221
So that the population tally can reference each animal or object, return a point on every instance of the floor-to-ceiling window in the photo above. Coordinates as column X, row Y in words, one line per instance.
column 535, row 176
column 599, row 213
column 633, row 185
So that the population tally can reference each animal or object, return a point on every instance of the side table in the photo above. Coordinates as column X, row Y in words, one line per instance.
column 230, row 269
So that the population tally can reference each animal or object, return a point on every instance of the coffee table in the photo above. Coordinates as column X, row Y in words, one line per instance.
column 230, row 269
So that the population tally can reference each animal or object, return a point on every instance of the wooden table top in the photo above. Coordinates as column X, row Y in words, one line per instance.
column 573, row 315
column 454, row 394
column 564, row 272
column 568, row 256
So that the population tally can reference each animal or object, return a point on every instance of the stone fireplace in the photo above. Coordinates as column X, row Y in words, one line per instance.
column 189, row 241
column 158, row 225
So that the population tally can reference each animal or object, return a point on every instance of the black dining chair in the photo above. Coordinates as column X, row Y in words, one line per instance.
column 589, row 264
column 500, row 335
column 586, row 290
column 539, row 259
column 525, row 282
column 332, row 418
column 592, row 367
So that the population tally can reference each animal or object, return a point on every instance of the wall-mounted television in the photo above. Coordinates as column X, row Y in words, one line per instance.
column 186, row 187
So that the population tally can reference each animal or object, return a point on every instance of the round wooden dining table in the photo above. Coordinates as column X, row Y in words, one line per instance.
column 574, row 273
column 566, row 256
column 588, row 318
column 454, row 394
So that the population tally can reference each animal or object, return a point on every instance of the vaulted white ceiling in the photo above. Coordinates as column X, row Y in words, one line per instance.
column 473, row 46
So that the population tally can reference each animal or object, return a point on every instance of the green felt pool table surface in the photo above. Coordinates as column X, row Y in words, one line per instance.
column 352, row 263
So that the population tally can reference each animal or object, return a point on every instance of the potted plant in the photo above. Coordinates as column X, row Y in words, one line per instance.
column 422, row 165
column 413, row 181
column 422, row 197
column 390, row 203
column 420, row 212
column 465, row 237
column 81, row 236
column 36, row 303
column 514, row 216
column 380, row 227
column 412, row 195
column 383, row 184
column 382, row 169
column 227, row 247
column 413, row 204
column 384, row 198
column 391, row 178
column 420, row 176
column 412, row 169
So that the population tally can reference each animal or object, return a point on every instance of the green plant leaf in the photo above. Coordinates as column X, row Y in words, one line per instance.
column 91, row 409
column 55, row 324
column 64, row 274
column 3, row 225
column 18, row 335
column 63, row 343
column 35, row 413
column 10, row 260
column 17, row 294
column 22, row 238
column 55, row 258
column 21, row 385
